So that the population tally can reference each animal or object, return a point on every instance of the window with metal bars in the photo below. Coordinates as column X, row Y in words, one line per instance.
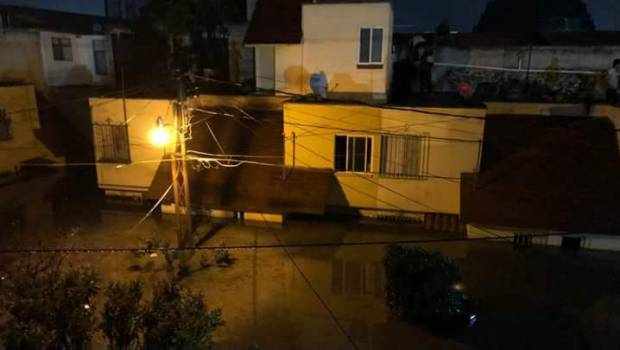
column 61, row 49
column 112, row 143
column 5, row 126
column 404, row 156
column 353, row 154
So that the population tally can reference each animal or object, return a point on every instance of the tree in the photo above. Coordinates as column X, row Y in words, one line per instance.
column 49, row 309
column 177, row 318
column 418, row 282
column 122, row 315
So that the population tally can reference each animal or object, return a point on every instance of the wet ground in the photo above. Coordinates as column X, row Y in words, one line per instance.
column 536, row 298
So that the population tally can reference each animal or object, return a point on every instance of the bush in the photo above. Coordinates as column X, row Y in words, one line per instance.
column 418, row 282
column 49, row 309
column 176, row 318
column 122, row 315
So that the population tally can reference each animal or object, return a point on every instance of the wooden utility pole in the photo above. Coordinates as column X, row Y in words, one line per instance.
column 180, row 178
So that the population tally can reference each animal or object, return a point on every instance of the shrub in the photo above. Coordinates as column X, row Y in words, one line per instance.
column 177, row 318
column 49, row 309
column 122, row 315
column 418, row 282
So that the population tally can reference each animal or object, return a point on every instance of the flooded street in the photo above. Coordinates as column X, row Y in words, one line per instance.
column 272, row 298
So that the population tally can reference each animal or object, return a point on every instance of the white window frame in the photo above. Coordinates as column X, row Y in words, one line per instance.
column 359, row 47
column 366, row 162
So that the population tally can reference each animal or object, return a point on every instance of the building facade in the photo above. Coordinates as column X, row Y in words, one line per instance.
column 347, row 42
column 20, row 138
column 52, row 49
column 389, row 162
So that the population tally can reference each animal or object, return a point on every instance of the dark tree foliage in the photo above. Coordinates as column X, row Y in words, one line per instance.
column 49, row 309
column 418, row 282
column 177, row 318
column 535, row 16
column 122, row 315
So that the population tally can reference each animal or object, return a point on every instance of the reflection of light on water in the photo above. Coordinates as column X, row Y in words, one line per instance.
column 472, row 320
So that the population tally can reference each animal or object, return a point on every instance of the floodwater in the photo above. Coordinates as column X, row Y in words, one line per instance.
column 333, row 297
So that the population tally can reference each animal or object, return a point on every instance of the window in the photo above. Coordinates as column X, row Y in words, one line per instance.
column 353, row 153
column 355, row 278
column 61, row 48
column 371, row 46
column 112, row 143
column 404, row 155
column 101, row 64
column 5, row 126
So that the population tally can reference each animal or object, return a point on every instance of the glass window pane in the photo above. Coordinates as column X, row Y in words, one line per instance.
column 365, row 45
column 359, row 164
column 368, row 153
column 377, row 45
column 340, row 156
column 351, row 154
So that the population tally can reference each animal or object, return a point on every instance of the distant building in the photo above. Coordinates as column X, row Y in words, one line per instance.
column 54, row 49
column 349, row 41
column 22, row 137
column 124, row 9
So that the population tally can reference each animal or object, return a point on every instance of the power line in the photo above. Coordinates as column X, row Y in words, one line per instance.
column 272, row 246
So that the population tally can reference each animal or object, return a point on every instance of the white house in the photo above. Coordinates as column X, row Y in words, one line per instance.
column 54, row 49
column 347, row 41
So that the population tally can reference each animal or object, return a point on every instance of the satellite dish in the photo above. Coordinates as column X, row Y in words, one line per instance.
column 318, row 83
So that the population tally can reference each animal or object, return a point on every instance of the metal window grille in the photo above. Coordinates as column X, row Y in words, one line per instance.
column 112, row 143
column 61, row 49
column 5, row 126
column 404, row 156
column 353, row 154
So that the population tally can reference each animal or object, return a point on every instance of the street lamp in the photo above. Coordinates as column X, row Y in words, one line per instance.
column 159, row 136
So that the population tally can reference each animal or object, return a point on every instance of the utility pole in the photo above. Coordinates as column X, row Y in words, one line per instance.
column 180, row 178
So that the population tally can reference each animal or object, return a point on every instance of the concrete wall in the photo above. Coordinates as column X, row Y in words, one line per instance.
column 20, row 106
column 506, row 66
column 20, row 58
column 81, row 69
column 137, row 176
column 315, row 127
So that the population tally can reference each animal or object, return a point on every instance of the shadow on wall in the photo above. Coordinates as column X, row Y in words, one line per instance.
column 79, row 75
column 297, row 78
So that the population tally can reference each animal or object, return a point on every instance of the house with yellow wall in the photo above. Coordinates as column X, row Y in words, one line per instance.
column 387, row 161
column 347, row 42
column 20, row 138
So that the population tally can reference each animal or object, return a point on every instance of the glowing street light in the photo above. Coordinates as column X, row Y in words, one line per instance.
column 160, row 136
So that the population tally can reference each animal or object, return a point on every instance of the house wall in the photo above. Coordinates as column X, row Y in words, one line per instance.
column 20, row 60
column 264, row 56
column 558, row 87
column 316, row 125
column 81, row 69
column 20, row 105
column 330, row 44
column 136, row 177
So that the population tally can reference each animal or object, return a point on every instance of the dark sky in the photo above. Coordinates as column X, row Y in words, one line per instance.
column 410, row 15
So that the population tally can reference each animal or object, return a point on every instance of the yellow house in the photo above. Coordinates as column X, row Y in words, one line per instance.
column 387, row 161
column 347, row 42
column 19, row 126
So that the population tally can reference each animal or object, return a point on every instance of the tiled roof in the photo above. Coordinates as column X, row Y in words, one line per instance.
column 551, row 173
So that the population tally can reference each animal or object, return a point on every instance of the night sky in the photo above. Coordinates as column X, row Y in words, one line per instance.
column 410, row 15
